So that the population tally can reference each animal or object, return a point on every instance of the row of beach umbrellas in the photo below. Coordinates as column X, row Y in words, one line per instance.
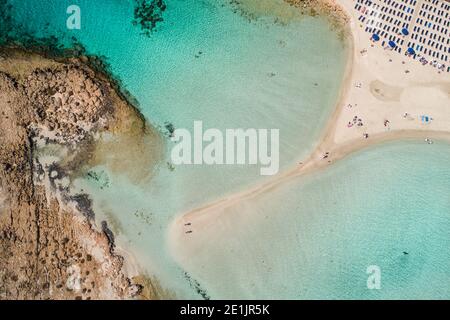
column 376, row 37
column 392, row 44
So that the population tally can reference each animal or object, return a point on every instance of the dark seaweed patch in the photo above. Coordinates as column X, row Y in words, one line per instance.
column 84, row 205
column 52, row 169
column 170, row 128
column 196, row 286
column 109, row 234
column 148, row 14
column 14, row 34
column 100, row 178
column 6, row 23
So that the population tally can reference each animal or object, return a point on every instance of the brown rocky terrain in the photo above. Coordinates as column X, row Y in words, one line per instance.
column 50, row 245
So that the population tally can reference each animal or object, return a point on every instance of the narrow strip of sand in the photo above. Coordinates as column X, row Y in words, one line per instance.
column 383, row 98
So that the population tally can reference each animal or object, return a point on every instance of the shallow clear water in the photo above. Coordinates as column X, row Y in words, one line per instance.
column 311, row 238
column 315, row 236
column 249, row 75
column 257, row 74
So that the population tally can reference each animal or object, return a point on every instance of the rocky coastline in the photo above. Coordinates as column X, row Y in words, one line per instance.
column 50, row 244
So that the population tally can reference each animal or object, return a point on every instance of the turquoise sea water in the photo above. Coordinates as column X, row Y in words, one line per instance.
column 387, row 206
column 249, row 74
column 257, row 74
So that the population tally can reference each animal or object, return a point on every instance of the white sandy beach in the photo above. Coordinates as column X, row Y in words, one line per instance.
column 378, row 89
column 387, row 92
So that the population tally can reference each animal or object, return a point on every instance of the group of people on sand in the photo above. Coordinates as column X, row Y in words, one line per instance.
column 356, row 121
column 326, row 156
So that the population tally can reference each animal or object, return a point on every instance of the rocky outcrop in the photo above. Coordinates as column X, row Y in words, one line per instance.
column 49, row 249
column 66, row 101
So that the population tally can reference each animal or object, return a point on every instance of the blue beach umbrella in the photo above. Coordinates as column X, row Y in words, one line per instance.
column 405, row 31
column 411, row 51
column 375, row 37
column 392, row 44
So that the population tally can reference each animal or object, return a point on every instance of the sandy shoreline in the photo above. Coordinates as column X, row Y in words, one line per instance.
column 379, row 89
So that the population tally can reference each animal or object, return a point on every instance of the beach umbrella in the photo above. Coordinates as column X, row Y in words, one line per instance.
column 405, row 31
column 411, row 51
column 375, row 37
column 392, row 44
